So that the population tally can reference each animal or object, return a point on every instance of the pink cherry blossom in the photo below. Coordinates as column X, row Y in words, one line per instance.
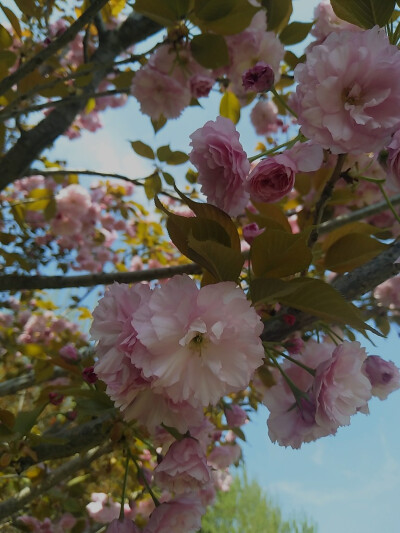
column 383, row 375
column 235, row 415
column 222, row 164
column 341, row 387
column 73, row 200
column 259, row 78
column 159, row 94
column 348, row 92
column 264, row 117
column 203, row 343
column 292, row 423
column 327, row 22
column 251, row 231
column 273, row 178
column 388, row 293
column 103, row 508
column 184, row 468
column 221, row 457
column 393, row 162
column 181, row 515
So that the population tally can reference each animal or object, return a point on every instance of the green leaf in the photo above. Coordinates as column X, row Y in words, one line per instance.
column 158, row 123
column 352, row 251
column 165, row 154
column 143, row 149
column 205, row 240
column 312, row 296
column 223, row 263
column 210, row 50
column 209, row 10
column 169, row 180
column 13, row 20
column 211, row 212
column 273, row 212
column 277, row 254
column 223, row 20
column 278, row 13
column 164, row 12
column 229, row 107
column 295, row 32
column 25, row 420
column 364, row 13
column 28, row 7
column 7, row 418
column 292, row 60
column 152, row 186
column 5, row 38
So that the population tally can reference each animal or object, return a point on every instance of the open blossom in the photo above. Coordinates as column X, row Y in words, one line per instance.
column 202, row 343
column 340, row 387
column 388, row 293
column 184, row 468
column 273, row 178
column 383, row 375
column 264, row 117
column 327, row 22
column 291, row 423
column 221, row 457
column 348, row 92
column 393, row 162
column 180, row 515
column 222, row 164
column 103, row 508
column 235, row 415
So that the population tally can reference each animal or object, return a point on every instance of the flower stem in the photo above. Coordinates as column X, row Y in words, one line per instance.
column 282, row 101
column 121, row 512
column 141, row 474
column 389, row 203
column 287, row 144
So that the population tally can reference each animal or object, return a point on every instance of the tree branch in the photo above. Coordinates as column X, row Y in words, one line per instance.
column 59, row 475
column 12, row 166
column 18, row 283
column 25, row 381
column 323, row 200
column 52, row 48
column 352, row 286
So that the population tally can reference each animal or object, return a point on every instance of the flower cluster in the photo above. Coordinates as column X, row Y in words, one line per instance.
column 321, row 388
column 168, row 82
column 176, row 348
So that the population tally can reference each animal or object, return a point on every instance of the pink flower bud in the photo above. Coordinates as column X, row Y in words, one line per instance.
column 55, row 398
column 89, row 375
column 259, row 78
column 251, row 231
column 383, row 375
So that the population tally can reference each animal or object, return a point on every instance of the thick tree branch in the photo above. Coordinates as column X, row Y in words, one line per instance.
column 59, row 475
column 352, row 286
column 52, row 48
column 72, row 440
column 31, row 144
column 17, row 283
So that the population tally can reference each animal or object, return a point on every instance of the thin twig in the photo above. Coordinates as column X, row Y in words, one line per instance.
column 52, row 48
column 324, row 198
column 62, row 473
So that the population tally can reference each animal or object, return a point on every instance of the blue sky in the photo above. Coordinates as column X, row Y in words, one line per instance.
column 349, row 483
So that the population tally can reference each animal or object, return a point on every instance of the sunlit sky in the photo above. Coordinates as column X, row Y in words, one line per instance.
column 349, row 483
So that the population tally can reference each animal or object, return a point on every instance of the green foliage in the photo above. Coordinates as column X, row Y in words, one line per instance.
column 226, row 18
column 295, row 32
column 245, row 508
column 210, row 50
column 278, row 13
column 364, row 13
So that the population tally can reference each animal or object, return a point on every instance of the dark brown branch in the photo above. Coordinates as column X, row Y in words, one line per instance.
column 324, row 198
column 61, row 474
column 32, row 143
column 18, row 283
column 52, row 48
column 352, row 286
